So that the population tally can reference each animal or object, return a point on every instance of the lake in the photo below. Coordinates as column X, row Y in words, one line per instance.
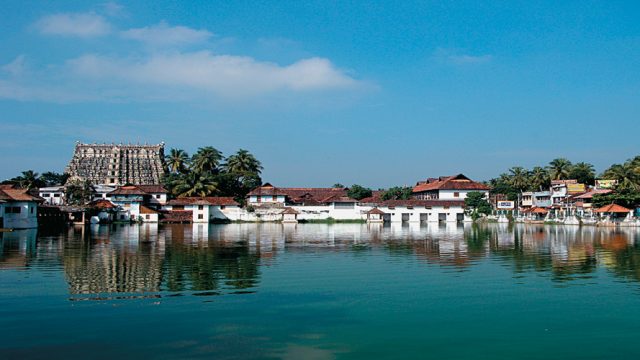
column 317, row 291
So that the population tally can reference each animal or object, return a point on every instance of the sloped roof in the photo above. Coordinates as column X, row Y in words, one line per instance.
column 590, row 194
column 538, row 210
column 139, row 190
column 289, row 210
column 207, row 200
column 613, row 208
column 9, row 193
column 456, row 182
column 338, row 198
column 376, row 211
column 146, row 210
column 266, row 189
column 152, row 189
column 102, row 204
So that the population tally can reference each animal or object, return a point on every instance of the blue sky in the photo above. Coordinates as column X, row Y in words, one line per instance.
column 321, row 92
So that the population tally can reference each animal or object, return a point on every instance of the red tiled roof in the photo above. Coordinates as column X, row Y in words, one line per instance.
column 538, row 210
column 422, row 203
column 289, row 210
column 376, row 211
column 307, row 196
column 103, row 204
column 207, row 200
column 152, row 189
column 456, row 182
column 146, row 210
column 613, row 208
column 338, row 198
column 9, row 193
column 266, row 189
column 590, row 194
column 374, row 198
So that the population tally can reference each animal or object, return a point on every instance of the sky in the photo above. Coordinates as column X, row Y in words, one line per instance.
column 373, row 93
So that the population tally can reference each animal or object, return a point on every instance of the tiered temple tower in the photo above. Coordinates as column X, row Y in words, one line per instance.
column 119, row 164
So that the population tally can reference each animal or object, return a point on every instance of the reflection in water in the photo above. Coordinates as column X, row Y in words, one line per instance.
column 216, row 259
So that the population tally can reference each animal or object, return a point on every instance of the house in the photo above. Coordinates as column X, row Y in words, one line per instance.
column 100, row 192
column 448, row 188
column 205, row 209
column 542, row 199
column 52, row 195
column 266, row 194
column 423, row 211
column 148, row 215
column 584, row 202
column 526, row 200
column 289, row 215
column 18, row 208
column 131, row 198
column 157, row 194
column 375, row 215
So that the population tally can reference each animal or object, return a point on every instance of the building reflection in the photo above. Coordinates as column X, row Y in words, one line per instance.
column 150, row 259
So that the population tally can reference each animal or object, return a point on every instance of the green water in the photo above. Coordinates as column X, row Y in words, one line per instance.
column 317, row 291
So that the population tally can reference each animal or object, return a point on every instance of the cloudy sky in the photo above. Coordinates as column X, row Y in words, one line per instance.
column 322, row 92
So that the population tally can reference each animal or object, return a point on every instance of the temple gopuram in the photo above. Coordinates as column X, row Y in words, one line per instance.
column 119, row 164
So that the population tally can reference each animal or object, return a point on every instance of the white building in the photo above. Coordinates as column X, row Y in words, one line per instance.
column 52, row 195
column 267, row 194
column 207, row 209
column 18, row 209
column 448, row 188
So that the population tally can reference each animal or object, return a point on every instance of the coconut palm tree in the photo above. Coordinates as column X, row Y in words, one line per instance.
column 177, row 160
column 583, row 172
column 519, row 178
column 538, row 178
column 195, row 184
column 559, row 169
column 206, row 159
column 29, row 180
column 626, row 175
column 243, row 162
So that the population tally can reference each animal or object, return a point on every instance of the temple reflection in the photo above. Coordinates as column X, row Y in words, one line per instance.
column 152, row 259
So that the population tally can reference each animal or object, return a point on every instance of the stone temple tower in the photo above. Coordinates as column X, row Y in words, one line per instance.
column 112, row 164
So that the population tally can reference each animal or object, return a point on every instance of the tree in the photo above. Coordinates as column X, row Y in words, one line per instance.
column 559, row 169
column 243, row 163
column 194, row 184
column 51, row 178
column 476, row 202
column 627, row 175
column 583, row 172
column 519, row 178
column 358, row 192
column 177, row 161
column 79, row 192
column 398, row 193
column 28, row 180
column 206, row 160
column 539, row 179
column 338, row 186
column 626, row 197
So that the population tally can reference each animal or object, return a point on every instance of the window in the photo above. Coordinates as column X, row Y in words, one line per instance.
column 200, row 216
column 121, row 217
column 274, row 198
column 13, row 210
column 157, row 196
column 147, row 217
column 31, row 209
column 56, row 195
column 112, row 181
column 340, row 205
column 46, row 195
column 200, row 207
column 456, row 194
column 221, row 207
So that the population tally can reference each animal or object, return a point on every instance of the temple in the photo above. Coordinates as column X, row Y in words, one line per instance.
column 119, row 164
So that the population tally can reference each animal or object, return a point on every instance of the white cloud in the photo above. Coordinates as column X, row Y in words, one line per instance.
column 74, row 24
column 17, row 67
column 112, row 8
column 163, row 34
column 457, row 58
column 224, row 75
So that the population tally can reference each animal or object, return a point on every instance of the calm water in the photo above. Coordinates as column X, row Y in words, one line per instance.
column 320, row 292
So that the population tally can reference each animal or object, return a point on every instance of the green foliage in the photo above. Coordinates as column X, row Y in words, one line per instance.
column 559, row 169
column 79, row 192
column 398, row 193
column 583, row 172
column 206, row 160
column 539, row 179
column 627, row 174
column 177, row 161
column 51, row 178
column 477, row 204
column 28, row 180
column 358, row 192
column 627, row 198
column 338, row 186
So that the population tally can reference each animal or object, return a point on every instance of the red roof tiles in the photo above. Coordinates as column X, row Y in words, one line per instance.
column 207, row 200
column 457, row 182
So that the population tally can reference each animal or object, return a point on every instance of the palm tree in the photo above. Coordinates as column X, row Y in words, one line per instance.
column 626, row 175
column 559, row 169
column 538, row 178
column 177, row 160
column 518, row 178
column 583, row 172
column 195, row 184
column 29, row 180
column 243, row 162
column 206, row 159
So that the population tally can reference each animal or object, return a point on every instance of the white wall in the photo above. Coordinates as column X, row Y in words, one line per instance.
column 26, row 219
column 462, row 194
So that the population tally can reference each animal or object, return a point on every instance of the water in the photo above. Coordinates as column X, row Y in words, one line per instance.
column 311, row 291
